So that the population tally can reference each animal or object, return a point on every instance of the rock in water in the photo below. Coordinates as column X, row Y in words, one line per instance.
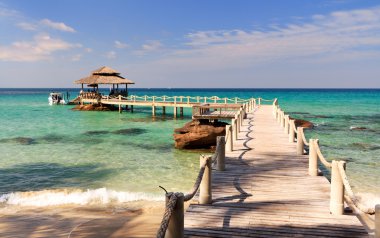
column 302, row 123
column 198, row 134
column 94, row 107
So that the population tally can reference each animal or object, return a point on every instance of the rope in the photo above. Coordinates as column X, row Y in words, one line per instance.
column 168, row 213
column 320, row 155
column 351, row 194
column 197, row 183
column 304, row 139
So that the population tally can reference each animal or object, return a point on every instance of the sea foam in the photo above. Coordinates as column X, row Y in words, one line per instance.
column 75, row 197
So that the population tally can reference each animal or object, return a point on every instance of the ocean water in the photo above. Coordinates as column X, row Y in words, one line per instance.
column 51, row 155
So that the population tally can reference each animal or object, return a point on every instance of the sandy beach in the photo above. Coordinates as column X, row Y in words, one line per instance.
column 138, row 219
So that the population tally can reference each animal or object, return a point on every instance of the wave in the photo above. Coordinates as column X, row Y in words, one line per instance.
column 98, row 196
column 368, row 199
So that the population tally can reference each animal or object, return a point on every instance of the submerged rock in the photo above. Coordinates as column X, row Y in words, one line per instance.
column 302, row 123
column 94, row 107
column 19, row 140
column 129, row 131
column 198, row 134
column 90, row 133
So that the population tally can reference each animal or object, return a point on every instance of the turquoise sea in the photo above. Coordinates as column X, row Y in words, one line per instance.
column 51, row 155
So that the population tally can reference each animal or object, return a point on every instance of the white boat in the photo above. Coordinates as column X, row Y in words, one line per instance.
column 56, row 99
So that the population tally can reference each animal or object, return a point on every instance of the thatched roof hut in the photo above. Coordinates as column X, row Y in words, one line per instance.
column 104, row 75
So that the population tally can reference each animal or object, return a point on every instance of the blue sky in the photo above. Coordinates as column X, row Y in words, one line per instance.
column 197, row 44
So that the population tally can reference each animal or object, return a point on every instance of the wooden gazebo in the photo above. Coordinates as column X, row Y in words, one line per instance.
column 106, row 75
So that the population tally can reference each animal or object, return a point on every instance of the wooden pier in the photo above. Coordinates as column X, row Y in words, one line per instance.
column 202, row 107
column 267, row 186
column 266, row 191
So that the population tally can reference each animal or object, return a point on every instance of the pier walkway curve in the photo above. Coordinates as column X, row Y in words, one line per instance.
column 265, row 191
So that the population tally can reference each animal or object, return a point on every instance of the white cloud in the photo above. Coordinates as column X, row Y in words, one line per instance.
column 149, row 47
column 76, row 57
column 40, row 48
column 27, row 26
column 88, row 50
column 328, row 36
column 57, row 25
column 121, row 45
column 111, row 55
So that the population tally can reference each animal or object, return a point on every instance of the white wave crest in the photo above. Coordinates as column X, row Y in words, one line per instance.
column 75, row 197
column 368, row 199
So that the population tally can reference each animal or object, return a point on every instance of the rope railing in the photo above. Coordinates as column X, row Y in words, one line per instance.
column 174, row 201
column 338, row 174
column 350, row 193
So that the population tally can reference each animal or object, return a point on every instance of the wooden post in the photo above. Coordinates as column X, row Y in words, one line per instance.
column 313, row 158
column 286, row 128
column 283, row 119
column 120, row 109
column 188, row 99
column 225, row 100
column 230, row 141
column 163, row 110
column 220, row 144
column 259, row 102
column 175, row 99
column 300, row 144
column 279, row 116
column 181, row 111
column 377, row 221
column 205, row 193
column 145, row 98
column 175, row 111
column 235, row 100
column 237, row 122
column 337, row 189
column 234, row 129
column 197, row 99
column 176, row 222
column 153, row 111
column 132, row 108
column 291, row 131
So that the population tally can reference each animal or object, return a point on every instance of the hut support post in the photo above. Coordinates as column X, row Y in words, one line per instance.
column 175, row 112
column 176, row 222
column 181, row 111
column 337, row 189
column 153, row 111
column 229, row 144
column 120, row 109
column 163, row 110
column 313, row 159
column 131, row 108
column 300, row 144
column 205, row 194
column 220, row 145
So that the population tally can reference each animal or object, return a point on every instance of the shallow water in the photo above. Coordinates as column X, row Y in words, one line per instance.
column 57, row 155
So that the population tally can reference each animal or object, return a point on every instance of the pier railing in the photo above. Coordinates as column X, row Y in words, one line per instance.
column 172, row 224
column 341, row 189
column 181, row 99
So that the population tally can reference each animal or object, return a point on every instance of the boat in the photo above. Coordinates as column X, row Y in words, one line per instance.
column 56, row 99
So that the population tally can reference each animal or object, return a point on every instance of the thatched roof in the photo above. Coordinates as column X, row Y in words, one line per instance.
column 104, row 75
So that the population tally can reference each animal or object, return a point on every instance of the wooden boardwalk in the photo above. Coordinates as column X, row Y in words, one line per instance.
column 266, row 191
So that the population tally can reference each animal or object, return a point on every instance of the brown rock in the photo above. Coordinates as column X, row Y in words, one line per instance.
column 94, row 107
column 302, row 123
column 198, row 134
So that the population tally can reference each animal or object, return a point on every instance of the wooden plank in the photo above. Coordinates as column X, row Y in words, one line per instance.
column 265, row 191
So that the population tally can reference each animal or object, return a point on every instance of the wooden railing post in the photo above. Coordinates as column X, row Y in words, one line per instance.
column 234, row 129
column 120, row 110
column 300, row 144
column 286, row 126
column 313, row 158
column 282, row 119
column 237, row 121
column 337, row 189
column 230, row 141
column 377, row 221
column 291, row 131
column 220, row 145
column 176, row 222
column 205, row 193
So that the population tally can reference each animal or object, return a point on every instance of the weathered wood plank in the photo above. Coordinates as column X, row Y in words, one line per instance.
column 265, row 191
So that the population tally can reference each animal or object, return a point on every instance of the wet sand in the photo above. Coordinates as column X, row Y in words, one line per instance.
column 134, row 220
